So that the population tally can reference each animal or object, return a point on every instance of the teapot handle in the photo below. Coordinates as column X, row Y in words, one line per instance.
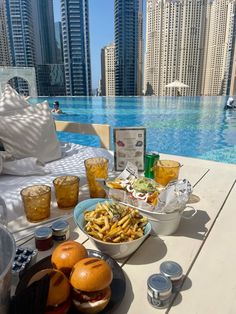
column 3, row 212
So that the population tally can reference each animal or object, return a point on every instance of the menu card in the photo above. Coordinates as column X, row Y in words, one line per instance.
column 129, row 146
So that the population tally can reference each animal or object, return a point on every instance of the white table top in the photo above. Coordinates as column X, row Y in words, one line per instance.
column 203, row 246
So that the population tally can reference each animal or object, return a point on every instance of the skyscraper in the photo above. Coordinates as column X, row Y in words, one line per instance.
column 108, row 70
column 219, row 47
column 233, row 75
column 21, row 38
column 128, row 47
column 44, row 32
column 49, row 71
column 174, row 45
column 4, row 50
column 59, row 45
column 76, row 47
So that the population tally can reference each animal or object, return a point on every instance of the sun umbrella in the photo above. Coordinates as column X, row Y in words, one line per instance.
column 177, row 84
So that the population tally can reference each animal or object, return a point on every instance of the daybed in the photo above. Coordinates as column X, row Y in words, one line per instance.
column 33, row 153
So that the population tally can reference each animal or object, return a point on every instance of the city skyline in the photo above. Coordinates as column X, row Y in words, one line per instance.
column 191, row 42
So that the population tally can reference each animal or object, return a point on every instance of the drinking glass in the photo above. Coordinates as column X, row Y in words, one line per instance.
column 67, row 191
column 36, row 200
column 166, row 171
column 96, row 168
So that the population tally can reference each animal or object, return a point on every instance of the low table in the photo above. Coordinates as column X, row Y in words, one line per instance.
column 204, row 246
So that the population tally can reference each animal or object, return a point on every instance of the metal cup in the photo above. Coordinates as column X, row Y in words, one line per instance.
column 7, row 249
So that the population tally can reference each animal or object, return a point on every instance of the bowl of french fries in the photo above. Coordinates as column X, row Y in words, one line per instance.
column 115, row 229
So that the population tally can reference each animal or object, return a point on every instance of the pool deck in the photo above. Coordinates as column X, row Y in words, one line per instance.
column 204, row 246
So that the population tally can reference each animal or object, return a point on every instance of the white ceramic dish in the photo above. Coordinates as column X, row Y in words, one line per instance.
column 115, row 250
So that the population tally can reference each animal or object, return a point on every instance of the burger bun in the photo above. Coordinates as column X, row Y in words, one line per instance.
column 66, row 255
column 59, row 289
column 93, row 307
column 91, row 274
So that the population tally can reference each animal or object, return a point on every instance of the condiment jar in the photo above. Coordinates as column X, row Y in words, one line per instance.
column 43, row 238
column 159, row 290
column 174, row 272
column 60, row 230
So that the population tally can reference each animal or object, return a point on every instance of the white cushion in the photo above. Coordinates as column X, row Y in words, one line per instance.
column 11, row 100
column 30, row 132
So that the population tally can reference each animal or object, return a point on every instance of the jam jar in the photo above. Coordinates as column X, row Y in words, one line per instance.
column 159, row 290
column 174, row 272
column 43, row 238
column 60, row 230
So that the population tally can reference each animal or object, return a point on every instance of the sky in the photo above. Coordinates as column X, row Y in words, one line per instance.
column 101, row 23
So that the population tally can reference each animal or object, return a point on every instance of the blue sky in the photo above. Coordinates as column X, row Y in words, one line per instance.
column 101, row 23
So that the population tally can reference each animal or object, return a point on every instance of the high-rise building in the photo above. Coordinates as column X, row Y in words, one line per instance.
column 49, row 70
column 44, row 32
column 21, row 37
column 59, row 45
column 174, row 45
column 4, row 50
column 233, row 76
column 219, row 47
column 192, row 41
column 76, row 47
column 108, row 70
column 128, row 47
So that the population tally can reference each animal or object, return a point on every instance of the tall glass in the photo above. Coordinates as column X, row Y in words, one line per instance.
column 67, row 191
column 96, row 168
column 36, row 200
column 166, row 171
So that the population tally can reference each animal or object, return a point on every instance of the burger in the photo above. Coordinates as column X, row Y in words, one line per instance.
column 58, row 300
column 90, row 280
column 66, row 255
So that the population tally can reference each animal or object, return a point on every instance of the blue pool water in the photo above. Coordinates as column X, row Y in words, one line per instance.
column 188, row 126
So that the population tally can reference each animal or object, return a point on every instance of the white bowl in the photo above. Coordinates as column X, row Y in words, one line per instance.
column 115, row 250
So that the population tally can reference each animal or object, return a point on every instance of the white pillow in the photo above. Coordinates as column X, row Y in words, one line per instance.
column 11, row 100
column 30, row 132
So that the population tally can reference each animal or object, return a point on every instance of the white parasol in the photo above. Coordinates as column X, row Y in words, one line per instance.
column 177, row 84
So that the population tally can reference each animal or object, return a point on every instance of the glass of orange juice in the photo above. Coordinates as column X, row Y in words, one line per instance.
column 96, row 168
column 166, row 171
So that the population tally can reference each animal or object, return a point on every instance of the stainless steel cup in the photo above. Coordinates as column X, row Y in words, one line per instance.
column 7, row 249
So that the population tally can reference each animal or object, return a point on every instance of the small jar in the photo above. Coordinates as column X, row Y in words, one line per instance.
column 60, row 230
column 174, row 272
column 159, row 290
column 43, row 238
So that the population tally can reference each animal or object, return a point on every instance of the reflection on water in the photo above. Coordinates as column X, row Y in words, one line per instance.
column 188, row 126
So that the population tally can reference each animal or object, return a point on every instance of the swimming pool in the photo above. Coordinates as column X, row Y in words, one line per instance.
column 187, row 126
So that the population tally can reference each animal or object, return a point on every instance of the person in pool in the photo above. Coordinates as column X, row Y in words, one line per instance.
column 56, row 108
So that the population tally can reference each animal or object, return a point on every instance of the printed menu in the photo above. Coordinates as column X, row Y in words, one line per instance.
column 129, row 146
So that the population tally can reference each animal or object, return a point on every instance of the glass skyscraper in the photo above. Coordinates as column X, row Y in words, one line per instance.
column 128, row 47
column 21, row 38
column 4, row 50
column 76, row 47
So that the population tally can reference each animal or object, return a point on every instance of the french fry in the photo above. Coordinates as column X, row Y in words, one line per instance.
column 113, row 222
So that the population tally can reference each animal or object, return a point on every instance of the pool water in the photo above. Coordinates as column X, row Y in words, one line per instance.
column 187, row 126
